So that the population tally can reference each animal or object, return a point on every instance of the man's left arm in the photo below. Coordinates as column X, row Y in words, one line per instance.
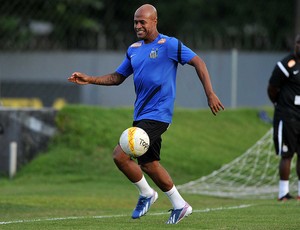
column 213, row 101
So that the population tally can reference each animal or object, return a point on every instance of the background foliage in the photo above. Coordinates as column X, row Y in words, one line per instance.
column 107, row 24
column 87, row 135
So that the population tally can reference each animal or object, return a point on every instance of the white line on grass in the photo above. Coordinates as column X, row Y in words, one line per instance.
column 115, row 216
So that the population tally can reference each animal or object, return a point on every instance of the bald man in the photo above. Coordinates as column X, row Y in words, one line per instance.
column 153, row 61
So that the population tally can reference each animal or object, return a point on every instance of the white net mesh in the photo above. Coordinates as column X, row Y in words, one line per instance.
column 252, row 175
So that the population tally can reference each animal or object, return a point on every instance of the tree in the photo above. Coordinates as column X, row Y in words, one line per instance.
column 108, row 24
column 297, row 17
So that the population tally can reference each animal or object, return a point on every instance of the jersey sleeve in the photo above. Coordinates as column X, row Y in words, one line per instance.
column 280, row 72
column 125, row 68
column 277, row 77
column 179, row 52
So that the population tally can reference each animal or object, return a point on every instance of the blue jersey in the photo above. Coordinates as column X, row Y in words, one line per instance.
column 154, row 68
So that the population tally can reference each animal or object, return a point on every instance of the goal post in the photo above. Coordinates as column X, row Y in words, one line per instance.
column 254, row 174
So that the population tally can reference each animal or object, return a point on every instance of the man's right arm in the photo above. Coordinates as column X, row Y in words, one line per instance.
column 108, row 79
column 273, row 93
column 275, row 82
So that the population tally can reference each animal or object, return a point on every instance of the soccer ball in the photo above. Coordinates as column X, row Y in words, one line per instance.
column 134, row 141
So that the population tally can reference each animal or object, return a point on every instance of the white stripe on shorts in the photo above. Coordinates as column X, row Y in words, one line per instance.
column 280, row 126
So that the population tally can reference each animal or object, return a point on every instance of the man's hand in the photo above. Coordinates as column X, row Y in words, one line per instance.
column 215, row 104
column 79, row 78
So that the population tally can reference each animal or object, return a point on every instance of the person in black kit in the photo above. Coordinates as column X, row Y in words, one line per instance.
column 284, row 92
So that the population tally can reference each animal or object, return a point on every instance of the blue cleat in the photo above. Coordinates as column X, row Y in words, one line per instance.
column 143, row 205
column 178, row 214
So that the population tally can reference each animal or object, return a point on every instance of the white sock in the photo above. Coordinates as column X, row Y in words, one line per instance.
column 298, row 188
column 144, row 188
column 177, row 201
column 283, row 188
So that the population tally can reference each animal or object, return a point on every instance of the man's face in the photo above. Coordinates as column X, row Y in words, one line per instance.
column 144, row 25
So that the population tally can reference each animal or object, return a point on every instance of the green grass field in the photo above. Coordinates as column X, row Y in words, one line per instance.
column 75, row 184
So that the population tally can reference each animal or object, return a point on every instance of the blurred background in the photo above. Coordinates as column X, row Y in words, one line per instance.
column 43, row 42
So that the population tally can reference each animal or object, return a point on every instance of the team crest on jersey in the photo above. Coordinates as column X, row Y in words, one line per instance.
column 162, row 41
column 291, row 63
column 137, row 44
column 154, row 53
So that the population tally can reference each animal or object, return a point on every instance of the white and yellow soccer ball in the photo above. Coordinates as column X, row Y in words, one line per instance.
column 134, row 141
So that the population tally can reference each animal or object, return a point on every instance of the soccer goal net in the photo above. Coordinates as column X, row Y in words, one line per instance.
column 252, row 175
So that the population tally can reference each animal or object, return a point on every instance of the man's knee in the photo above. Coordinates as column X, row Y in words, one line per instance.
column 119, row 157
column 150, row 166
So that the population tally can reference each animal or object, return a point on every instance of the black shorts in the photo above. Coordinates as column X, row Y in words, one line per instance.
column 154, row 129
column 286, row 137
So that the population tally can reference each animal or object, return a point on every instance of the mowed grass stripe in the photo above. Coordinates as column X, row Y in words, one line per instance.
column 116, row 216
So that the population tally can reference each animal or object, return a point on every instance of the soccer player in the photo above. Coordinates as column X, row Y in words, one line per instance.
column 284, row 92
column 153, row 62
